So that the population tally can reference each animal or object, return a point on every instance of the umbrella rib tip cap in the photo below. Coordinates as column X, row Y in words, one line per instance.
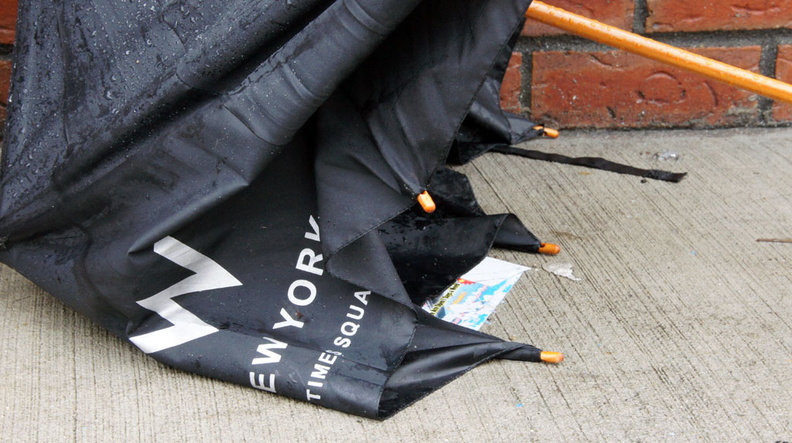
column 426, row 202
column 547, row 132
column 552, row 357
column 549, row 249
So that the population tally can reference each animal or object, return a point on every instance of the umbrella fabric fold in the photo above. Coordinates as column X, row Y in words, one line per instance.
column 487, row 124
column 231, row 186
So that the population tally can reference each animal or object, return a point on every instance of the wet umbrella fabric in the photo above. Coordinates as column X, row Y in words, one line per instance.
column 231, row 185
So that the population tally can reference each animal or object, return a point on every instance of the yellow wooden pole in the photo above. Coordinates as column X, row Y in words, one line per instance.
column 627, row 41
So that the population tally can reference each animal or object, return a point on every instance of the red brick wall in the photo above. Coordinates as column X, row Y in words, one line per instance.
column 8, row 14
column 569, row 82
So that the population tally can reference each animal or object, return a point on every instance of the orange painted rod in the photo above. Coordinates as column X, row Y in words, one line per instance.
column 627, row 41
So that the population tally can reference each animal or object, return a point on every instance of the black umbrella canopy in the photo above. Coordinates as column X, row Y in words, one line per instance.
column 231, row 186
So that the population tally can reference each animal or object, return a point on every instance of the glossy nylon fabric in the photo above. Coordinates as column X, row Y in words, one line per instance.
column 231, row 185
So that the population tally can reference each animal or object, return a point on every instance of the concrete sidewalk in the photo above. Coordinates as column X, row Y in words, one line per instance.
column 680, row 329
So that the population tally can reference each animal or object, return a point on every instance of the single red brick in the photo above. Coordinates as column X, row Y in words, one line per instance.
column 511, row 88
column 619, row 90
column 617, row 13
column 783, row 111
column 717, row 15
column 5, row 80
column 5, row 83
column 8, row 16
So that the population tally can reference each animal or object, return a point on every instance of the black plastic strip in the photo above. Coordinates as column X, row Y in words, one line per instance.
column 591, row 162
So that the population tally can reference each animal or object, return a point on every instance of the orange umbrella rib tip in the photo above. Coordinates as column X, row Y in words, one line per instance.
column 552, row 357
column 547, row 132
column 426, row 202
column 549, row 249
column 552, row 133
